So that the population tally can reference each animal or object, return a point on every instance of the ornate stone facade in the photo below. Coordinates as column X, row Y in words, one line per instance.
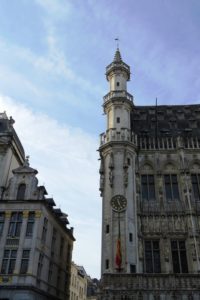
column 35, row 241
column 150, row 156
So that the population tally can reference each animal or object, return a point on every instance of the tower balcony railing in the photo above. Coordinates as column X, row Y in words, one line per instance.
column 117, row 94
column 114, row 135
column 150, row 281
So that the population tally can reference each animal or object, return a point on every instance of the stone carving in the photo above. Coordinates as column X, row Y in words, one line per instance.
column 102, row 177
column 163, row 224
column 193, row 251
column 177, row 223
column 166, row 250
column 125, row 166
column 111, row 167
column 140, row 247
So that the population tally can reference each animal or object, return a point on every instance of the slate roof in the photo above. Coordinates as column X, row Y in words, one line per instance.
column 166, row 120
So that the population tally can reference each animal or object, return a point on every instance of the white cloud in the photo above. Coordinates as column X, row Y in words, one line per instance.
column 58, row 9
column 66, row 159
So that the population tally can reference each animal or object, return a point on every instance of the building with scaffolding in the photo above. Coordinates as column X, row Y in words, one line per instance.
column 150, row 188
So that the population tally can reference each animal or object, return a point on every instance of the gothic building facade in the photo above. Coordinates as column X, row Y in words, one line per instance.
column 150, row 188
column 35, row 241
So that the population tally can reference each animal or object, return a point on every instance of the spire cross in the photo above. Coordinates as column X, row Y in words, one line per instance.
column 117, row 42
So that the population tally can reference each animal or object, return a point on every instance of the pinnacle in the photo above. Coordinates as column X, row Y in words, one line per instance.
column 117, row 57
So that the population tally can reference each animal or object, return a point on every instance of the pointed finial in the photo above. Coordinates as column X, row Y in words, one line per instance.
column 26, row 163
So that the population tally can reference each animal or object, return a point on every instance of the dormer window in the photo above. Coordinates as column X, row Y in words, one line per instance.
column 21, row 191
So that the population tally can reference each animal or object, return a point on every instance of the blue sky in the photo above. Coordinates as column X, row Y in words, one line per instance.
column 53, row 55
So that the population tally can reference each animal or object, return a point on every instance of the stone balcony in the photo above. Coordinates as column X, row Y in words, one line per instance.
column 155, row 282
column 116, row 95
column 114, row 135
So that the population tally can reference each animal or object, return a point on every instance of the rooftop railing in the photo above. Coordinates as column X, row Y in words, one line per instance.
column 148, row 142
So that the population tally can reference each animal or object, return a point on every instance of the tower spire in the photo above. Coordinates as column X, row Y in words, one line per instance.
column 117, row 57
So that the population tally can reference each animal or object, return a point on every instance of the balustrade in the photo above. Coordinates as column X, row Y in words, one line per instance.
column 151, row 281
column 118, row 94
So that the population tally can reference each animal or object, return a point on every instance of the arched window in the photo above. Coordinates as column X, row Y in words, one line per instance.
column 21, row 191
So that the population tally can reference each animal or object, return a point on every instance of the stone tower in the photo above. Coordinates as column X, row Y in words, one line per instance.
column 117, row 170
column 150, row 188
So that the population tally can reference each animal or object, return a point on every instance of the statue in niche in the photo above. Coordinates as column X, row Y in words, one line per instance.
column 111, row 177
column 170, row 223
column 126, row 177
column 111, row 167
column 140, row 249
column 157, row 224
column 166, row 250
column 193, row 251
column 180, row 142
column 102, row 179
column 189, row 223
column 139, row 225
column 177, row 224
column 145, row 224
column 163, row 224
column 150, row 224
column 125, row 166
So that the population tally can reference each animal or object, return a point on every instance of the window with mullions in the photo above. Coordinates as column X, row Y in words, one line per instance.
column 152, row 257
column 148, row 187
column 171, row 187
column 25, row 261
column 30, row 223
column 8, row 262
column 179, row 257
column 15, row 224
column 2, row 220
column 53, row 241
column 195, row 178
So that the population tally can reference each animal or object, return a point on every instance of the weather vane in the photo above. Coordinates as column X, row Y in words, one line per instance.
column 117, row 41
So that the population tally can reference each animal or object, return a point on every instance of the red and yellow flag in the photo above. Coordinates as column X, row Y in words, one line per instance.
column 118, row 257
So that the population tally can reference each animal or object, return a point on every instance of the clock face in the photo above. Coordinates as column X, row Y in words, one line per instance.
column 118, row 203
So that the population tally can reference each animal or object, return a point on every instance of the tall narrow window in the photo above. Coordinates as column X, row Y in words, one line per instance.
column 148, row 187
column 25, row 261
column 50, row 272
column 107, row 263
column 171, row 187
column 21, row 191
column 61, row 246
column 15, row 224
column 30, row 223
column 40, row 265
column 179, row 257
column 53, row 241
column 8, row 263
column 152, row 257
column 69, row 254
column 2, row 220
column 44, row 229
column 196, row 186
